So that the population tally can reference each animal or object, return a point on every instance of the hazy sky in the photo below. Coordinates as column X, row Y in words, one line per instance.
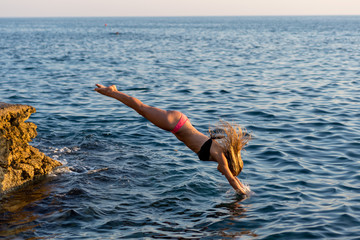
column 44, row 8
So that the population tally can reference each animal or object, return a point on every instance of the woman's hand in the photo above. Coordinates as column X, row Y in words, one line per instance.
column 107, row 91
column 242, row 189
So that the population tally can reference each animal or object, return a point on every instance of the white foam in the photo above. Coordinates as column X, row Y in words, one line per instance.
column 97, row 170
column 58, row 153
column 66, row 150
column 60, row 170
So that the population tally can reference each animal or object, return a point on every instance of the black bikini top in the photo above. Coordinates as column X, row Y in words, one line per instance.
column 204, row 153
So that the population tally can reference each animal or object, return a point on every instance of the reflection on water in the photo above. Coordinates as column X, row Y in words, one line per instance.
column 234, row 209
column 233, row 214
column 19, row 210
column 29, row 207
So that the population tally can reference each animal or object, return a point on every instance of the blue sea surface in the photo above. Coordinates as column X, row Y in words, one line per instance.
column 292, row 82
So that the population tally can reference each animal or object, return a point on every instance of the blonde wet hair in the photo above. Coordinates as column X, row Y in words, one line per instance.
column 232, row 138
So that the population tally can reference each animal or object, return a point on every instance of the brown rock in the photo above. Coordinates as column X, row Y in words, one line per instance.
column 20, row 163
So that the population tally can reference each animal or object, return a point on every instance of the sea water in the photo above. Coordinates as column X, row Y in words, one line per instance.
column 292, row 82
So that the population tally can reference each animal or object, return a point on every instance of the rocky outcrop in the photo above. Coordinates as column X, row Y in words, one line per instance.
column 20, row 162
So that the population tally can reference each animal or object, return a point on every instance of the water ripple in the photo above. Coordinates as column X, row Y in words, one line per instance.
column 292, row 82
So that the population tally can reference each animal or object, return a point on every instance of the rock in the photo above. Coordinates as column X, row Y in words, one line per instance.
column 20, row 163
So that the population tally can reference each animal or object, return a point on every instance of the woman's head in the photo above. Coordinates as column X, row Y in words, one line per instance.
column 232, row 140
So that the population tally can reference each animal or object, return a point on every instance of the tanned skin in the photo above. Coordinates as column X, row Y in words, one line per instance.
column 187, row 134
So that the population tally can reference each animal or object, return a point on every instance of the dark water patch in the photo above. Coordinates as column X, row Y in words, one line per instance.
column 355, row 144
column 211, row 111
column 29, row 68
column 184, row 91
column 297, row 171
column 296, row 152
column 76, row 192
column 209, row 93
column 349, row 188
column 312, row 138
column 253, row 128
column 320, row 111
column 352, row 154
column 328, row 134
column 270, row 152
column 224, row 91
column 254, row 147
column 295, row 235
column 139, row 89
column 259, row 114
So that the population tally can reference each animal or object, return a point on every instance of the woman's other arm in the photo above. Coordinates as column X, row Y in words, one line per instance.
column 233, row 181
column 224, row 169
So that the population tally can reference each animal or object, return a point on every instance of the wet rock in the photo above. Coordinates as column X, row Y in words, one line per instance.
column 20, row 163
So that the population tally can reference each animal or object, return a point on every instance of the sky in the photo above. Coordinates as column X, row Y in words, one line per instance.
column 92, row 8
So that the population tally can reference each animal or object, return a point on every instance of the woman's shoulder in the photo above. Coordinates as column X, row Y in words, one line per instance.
column 216, row 152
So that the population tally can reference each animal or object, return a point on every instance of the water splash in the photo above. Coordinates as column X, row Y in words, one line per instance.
column 247, row 190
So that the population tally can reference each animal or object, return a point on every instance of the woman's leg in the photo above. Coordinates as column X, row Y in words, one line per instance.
column 163, row 119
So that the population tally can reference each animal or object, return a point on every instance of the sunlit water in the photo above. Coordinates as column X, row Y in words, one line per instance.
column 293, row 82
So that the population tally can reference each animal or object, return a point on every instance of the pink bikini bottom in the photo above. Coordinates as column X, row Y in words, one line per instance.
column 182, row 121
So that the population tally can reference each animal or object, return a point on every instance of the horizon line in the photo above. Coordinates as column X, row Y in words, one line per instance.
column 184, row 16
